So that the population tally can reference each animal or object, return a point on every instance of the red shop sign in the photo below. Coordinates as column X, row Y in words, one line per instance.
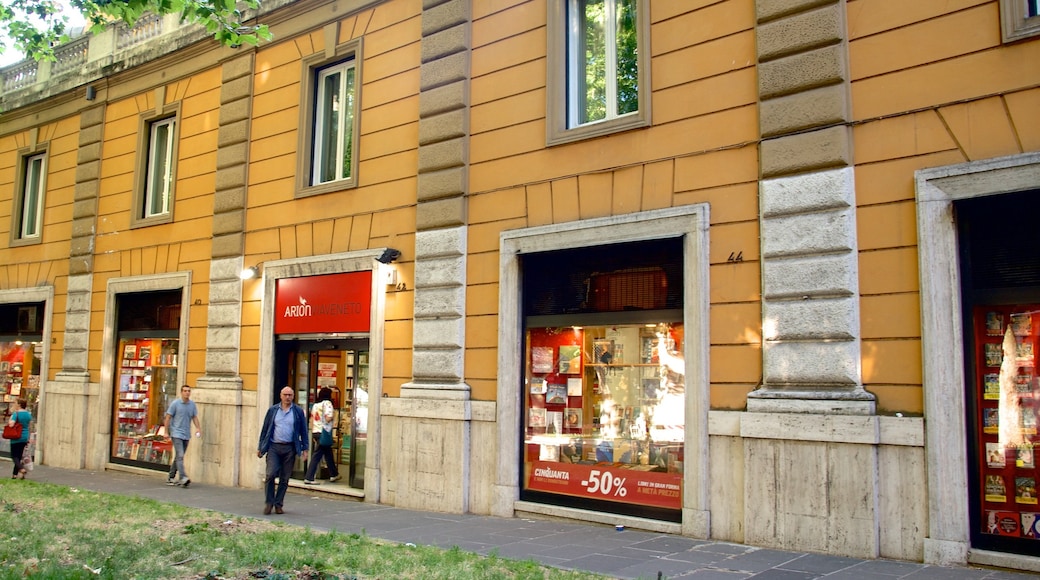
column 608, row 482
column 329, row 303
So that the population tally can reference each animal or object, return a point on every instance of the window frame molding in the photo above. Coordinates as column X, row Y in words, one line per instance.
column 144, row 138
column 305, row 149
column 1015, row 22
column 18, row 201
column 691, row 222
column 557, row 104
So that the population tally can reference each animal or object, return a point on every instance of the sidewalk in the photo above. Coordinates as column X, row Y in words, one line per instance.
column 570, row 545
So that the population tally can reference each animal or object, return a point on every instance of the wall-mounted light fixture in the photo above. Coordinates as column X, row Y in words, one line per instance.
column 91, row 93
column 249, row 273
column 388, row 256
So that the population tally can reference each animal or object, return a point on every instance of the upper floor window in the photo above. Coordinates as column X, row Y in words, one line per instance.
column 329, row 125
column 1019, row 19
column 156, row 173
column 598, row 67
column 28, row 206
column 160, row 168
column 334, row 124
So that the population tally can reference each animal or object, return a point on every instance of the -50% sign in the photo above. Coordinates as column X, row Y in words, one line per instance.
column 605, row 483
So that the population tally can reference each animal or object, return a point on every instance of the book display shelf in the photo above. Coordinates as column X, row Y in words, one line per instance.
column 1006, row 422
column 604, row 410
column 147, row 383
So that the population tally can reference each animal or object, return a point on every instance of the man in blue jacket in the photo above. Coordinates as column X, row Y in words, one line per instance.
column 283, row 437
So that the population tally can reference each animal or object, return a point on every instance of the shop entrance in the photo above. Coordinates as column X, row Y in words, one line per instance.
column 309, row 364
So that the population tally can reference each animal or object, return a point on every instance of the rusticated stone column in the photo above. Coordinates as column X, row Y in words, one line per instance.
column 810, row 288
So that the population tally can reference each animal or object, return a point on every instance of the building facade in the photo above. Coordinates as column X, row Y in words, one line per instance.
column 730, row 269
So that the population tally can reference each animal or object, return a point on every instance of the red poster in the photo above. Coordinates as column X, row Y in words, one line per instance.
column 607, row 482
column 329, row 303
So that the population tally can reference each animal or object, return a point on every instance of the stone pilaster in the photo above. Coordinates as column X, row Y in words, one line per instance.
column 810, row 287
column 223, row 411
column 440, row 244
column 433, row 418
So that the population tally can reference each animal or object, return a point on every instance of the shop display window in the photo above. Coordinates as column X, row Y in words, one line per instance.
column 146, row 385
column 20, row 379
column 1008, row 404
column 604, row 413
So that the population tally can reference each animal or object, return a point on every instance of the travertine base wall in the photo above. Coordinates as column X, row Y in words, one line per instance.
column 67, row 437
column 847, row 485
column 842, row 485
column 425, row 454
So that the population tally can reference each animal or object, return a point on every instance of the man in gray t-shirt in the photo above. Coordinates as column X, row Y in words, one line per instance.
column 178, row 420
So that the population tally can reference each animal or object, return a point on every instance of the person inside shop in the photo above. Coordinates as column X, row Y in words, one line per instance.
column 322, row 414
column 22, row 417
column 282, row 438
column 177, row 423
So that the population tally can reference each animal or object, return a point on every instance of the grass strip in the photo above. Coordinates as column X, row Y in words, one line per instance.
column 53, row 531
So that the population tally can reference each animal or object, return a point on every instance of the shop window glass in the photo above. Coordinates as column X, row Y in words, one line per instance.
column 146, row 385
column 604, row 378
column 20, row 363
column 604, row 413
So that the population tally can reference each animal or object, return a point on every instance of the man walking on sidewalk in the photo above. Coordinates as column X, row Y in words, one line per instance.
column 282, row 438
column 177, row 424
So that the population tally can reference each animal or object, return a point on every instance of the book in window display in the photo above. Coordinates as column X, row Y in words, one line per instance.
column 541, row 359
column 1024, row 383
column 572, row 418
column 1027, row 421
column 556, row 394
column 536, row 418
column 1022, row 324
column 995, row 456
column 1002, row 523
column 994, row 323
column 570, row 359
column 991, row 390
column 994, row 354
column 554, row 422
column 538, row 386
column 1031, row 525
column 1025, row 457
column 574, row 387
column 1025, row 490
column 995, row 490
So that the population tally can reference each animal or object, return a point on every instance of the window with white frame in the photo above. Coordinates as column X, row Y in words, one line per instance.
column 1019, row 19
column 159, row 174
column 334, row 123
column 598, row 67
column 30, row 212
column 327, row 157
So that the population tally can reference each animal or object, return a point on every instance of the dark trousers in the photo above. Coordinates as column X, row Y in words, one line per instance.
column 330, row 460
column 280, row 459
column 17, row 450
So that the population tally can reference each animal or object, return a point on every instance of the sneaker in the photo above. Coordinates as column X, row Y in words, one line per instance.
column 310, row 482
column 171, row 481
column 334, row 478
column 185, row 482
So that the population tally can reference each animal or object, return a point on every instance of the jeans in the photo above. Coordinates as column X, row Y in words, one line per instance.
column 180, row 446
column 17, row 451
column 330, row 461
column 280, row 459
